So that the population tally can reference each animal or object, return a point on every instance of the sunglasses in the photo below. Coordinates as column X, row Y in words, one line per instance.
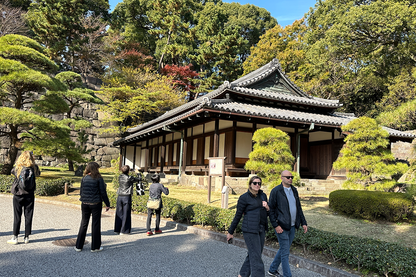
column 257, row 183
column 288, row 177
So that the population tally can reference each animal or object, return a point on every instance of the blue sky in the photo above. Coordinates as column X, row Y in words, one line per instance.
column 285, row 11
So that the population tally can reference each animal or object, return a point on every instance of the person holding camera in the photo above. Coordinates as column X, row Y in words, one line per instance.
column 155, row 194
column 253, row 204
column 122, row 224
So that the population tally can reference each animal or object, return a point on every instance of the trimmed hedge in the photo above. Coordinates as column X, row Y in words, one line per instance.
column 44, row 187
column 372, row 205
column 381, row 257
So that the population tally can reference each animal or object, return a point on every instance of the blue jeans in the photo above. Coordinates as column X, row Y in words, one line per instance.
column 282, row 256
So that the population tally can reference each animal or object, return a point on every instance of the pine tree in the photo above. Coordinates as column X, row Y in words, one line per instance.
column 271, row 155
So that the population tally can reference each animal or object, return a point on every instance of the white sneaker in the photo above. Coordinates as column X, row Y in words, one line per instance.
column 26, row 239
column 97, row 250
column 77, row 249
column 13, row 240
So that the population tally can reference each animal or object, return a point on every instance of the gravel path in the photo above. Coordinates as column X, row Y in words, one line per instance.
column 173, row 253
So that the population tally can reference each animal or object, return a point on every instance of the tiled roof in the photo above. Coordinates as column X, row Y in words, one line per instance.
column 282, row 114
column 312, row 101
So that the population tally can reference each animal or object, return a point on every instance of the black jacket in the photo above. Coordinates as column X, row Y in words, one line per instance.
column 279, row 209
column 15, row 189
column 126, row 184
column 93, row 190
column 254, row 213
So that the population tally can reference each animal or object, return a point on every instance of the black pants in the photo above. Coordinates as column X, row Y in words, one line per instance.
column 149, row 219
column 253, row 264
column 22, row 203
column 123, row 214
column 87, row 211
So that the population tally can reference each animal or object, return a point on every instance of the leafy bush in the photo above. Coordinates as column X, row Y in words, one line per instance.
column 6, row 182
column 382, row 257
column 51, row 187
column 372, row 205
column 44, row 187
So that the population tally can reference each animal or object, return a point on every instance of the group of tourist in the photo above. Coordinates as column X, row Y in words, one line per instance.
column 92, row 195
column 283, row 209
column 285, row 213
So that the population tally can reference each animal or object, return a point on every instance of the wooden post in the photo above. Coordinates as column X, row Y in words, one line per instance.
column 66, row 189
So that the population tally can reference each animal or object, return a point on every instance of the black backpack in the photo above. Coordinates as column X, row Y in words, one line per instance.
column 26, row 179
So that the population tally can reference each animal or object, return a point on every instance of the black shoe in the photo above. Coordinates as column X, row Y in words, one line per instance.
column 274, row 274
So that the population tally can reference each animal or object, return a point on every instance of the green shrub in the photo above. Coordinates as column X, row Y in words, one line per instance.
column 51, row 187
column 382, row 257
column 44, row 187
column 372, row 205
column 6, row 182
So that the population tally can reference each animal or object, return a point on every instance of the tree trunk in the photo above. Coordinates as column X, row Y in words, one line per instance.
column 12, row 154
column 70, row 165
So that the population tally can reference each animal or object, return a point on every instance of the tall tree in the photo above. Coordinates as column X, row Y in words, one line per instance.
column 357, row 48
column 25, row 74
column 58, row 24
column 287, row 45
column 135, row 96
column 172, row 21
column 12, row 20
column 74, row 96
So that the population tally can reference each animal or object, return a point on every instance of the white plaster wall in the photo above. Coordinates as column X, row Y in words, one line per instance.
column 129, row 156
column 175, row 146
column 244, row 124
column 243, row 144
column 143, row 158
column 207, row 144
column 197, row 130
column 194, row 149
column 223, row 124
column 221, row 145
column 210, row 127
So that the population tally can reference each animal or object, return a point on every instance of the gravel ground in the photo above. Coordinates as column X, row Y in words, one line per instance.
column 172, row 253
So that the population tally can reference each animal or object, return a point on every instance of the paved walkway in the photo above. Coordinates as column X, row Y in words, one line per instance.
column 179, row 251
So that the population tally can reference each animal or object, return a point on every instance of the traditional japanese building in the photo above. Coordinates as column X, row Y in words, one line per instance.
column 222, row 123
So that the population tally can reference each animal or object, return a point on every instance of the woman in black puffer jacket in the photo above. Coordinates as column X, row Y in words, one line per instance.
column 253, row 205
column 122, row 224
column 93, row 193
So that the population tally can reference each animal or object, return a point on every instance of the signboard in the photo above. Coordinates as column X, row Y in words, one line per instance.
column 216, row 166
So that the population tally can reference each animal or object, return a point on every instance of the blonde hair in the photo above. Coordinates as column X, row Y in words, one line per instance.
column 25, row 159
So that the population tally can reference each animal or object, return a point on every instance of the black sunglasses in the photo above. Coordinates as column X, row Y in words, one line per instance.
column 256, row 183
column 288, row 177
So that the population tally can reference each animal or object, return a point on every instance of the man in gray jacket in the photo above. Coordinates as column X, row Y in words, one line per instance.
column 285, row 215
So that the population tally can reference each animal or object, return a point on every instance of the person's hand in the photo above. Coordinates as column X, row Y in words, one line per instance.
column 266, row 206
column 229, row 236
column 107, row 209
column 279, row 230
column 305, row 228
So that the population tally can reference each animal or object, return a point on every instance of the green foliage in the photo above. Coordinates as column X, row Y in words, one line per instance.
column 136, row 96
column 58, row 24
column 271, row 155
column 367, row 158
column 372, row 205
column 401, row 118
column 387, row 259
column 44, row 187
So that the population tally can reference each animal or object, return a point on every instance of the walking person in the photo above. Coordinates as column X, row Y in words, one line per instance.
column 93, row 193
column 253, row 204
column 23, row 190
column 285, row 215
column 122, row 224
column 155, row 192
